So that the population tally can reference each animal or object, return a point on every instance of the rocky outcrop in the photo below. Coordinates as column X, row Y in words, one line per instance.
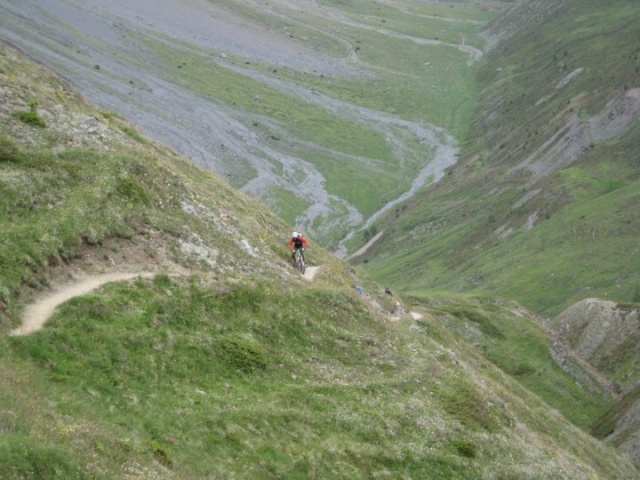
column 577, row 136
column 626, row 435
column 606, row 335
column 599, row 331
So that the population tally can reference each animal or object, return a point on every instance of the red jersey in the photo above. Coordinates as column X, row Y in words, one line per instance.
column 298, row 242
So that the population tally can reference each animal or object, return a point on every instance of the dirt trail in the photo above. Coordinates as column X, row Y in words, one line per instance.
column 310, row 273
column 363, row 249
column 36, row 314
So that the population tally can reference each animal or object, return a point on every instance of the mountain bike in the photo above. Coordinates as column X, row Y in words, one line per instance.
column 298, row 261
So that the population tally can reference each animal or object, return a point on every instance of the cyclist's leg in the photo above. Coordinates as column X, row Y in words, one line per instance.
column 302, row 253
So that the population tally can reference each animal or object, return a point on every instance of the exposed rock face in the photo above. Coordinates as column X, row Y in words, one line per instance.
column 597, row 329
column 627, row 433
column 578, row 136
column 607, row 336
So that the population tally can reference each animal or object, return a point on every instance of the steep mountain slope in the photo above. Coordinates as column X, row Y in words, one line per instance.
column 607, row 336
column 326, row 111
column 600, row 330
column 544, row 205
column 223, row 364
column 104, row 180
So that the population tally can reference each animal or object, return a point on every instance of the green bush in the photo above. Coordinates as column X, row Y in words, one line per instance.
column 242, row 353
column 160, row 454
column 131, row 189
column 31, row 117
column 466, row 448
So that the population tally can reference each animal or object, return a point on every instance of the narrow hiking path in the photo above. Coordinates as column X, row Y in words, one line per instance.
column 363, row 249
column 310, row 273
column 35, row 315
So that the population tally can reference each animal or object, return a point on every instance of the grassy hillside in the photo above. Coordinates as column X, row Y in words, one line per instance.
column 331, row 116
column 79, row 180
column 223, row 364
column 544, row 205
column 514, row 340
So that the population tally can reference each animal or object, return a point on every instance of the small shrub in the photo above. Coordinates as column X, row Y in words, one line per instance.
column 466, row 448
column 242, row 353
column 160, row 454
column 31, row 117
column 522, row 370
column 131, row 189
column 162, row 281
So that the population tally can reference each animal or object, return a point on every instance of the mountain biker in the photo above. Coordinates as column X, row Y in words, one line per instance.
column 297, row 243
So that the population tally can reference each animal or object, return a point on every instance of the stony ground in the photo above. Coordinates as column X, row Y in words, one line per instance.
column 95, row 45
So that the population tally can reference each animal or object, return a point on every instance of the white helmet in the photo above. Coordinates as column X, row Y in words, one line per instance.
column 295, row 234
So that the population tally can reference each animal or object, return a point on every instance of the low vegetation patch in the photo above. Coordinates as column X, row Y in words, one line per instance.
column 516, row 343
column 31, row 117
column 248, row 378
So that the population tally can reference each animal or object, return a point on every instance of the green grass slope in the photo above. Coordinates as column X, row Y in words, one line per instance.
column 544, row 205
column 158, row 379
column 223, row 364
column 514, row 340
column 348, row 134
